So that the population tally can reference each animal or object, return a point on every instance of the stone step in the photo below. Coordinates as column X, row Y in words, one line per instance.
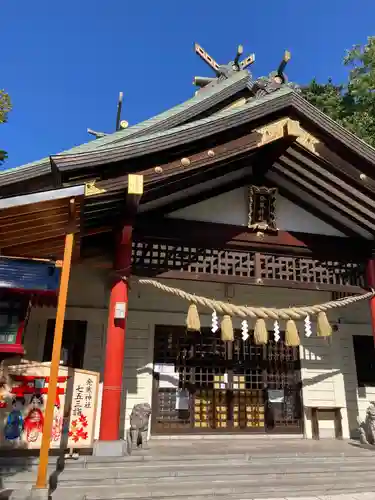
column 150, row 470
column 251, row 487
column 146, row 472
column 338, row 495
column 124, row 487
column 15, row 464
column 183, row 467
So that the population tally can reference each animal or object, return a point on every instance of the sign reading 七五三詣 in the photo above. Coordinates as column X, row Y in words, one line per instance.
column 23, row 396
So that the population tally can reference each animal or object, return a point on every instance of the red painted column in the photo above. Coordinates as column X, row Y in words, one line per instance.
column 116, row 329
column 371, row 284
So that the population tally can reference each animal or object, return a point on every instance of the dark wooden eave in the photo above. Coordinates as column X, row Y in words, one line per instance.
column 215, row 235
column 35, row 225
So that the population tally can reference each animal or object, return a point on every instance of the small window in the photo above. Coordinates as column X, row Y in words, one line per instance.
column 11, row 315
column 364, row 353
column 73, row 342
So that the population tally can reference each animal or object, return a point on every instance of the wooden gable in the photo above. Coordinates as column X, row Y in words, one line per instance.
column 232, row 208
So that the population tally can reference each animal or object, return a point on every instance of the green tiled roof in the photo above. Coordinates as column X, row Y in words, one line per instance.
column 173, row 117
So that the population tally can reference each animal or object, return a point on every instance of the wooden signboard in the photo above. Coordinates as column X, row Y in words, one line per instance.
column 23, row 399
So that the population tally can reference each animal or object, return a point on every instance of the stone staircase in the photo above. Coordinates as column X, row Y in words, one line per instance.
column 188, row 470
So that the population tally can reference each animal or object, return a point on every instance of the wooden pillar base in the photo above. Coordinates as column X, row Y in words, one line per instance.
column 39, row 494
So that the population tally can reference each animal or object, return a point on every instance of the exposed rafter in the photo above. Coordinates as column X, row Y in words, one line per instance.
column 321, row 203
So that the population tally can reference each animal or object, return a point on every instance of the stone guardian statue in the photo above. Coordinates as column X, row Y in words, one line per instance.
column 139, row 419
column 367, row 428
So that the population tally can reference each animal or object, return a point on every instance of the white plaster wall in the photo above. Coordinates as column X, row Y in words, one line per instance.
column 87, row 301
column 232, row 208
column 290, row 217
column 228, row 208
column 327, row 368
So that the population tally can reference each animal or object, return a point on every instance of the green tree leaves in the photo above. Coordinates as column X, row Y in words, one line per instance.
column 5, row 107
column 351, row 104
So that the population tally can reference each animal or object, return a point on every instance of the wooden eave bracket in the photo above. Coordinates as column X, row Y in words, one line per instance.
column 287, row 127
column 273, row 132
column 135, row 184
column 134, row 195
column 72, row 224
column 303, row 138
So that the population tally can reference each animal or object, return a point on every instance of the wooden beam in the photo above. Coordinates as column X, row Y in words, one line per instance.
column 198, row 197
column 259, row 160
column 330, row 185
column 326, row 196
column 196, row 178
column 320, row 203
column 254, row 140
column 215, row 235
column 319, row 149
column 41, row 482
column 330, row 172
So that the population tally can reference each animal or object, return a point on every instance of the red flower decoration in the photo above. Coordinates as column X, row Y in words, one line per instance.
column 77, row 429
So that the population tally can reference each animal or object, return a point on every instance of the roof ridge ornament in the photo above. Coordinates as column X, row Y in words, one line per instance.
column 275, row 80
column 221, row 70
column 120, row 124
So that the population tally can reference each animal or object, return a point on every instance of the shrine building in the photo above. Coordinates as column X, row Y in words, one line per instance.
column 244, row 194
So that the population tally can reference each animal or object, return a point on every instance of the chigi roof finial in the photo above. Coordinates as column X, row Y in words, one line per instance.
column 274, row 81
column 221, row 70
column 120, row 124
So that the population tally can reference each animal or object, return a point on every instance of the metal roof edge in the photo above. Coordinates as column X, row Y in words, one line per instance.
column 206, row 99
column 55, row 194
column 337, row 131
column 202, row 128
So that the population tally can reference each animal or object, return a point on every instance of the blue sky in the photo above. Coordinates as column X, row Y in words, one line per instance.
column 65, row 62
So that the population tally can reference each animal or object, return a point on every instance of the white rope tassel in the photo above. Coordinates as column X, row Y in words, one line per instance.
column 214, row 322
column 276, row 331
column 308, row 330
column 245, row 330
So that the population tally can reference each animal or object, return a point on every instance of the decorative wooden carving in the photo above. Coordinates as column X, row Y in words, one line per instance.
column 262, row 205
column 91, row 189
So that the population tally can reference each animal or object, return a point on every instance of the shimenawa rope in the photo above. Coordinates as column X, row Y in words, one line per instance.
column 257, row 312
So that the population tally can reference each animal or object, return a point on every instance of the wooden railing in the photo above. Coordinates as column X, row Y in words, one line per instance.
column 245, row 267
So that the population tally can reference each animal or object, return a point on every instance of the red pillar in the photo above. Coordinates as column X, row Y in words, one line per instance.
column 115, row 343
column 371, row 284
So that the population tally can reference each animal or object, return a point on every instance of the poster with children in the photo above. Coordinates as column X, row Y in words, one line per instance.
column 23, row 397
